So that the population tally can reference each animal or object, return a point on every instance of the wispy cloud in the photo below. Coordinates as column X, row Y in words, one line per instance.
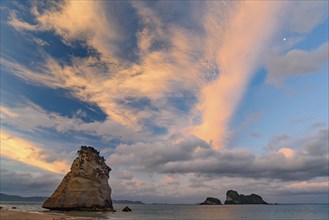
column 210, row 62
column 19, row 25
column 72, row 20
column 172, row 60
column 153, row 78
column 238, row 58
column 306, row 15
column 6, row 112
column 32, row 118
column 18, row 149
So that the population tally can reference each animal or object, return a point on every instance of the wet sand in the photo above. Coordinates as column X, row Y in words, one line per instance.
column 20, row 215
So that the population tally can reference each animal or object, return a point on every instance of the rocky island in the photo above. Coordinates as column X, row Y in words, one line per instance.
column 233, row 197
column 85, row 187
column 211, row 201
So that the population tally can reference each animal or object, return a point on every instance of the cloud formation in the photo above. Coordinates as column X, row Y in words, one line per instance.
column 21, row 150
column 248, row 34
column 172, row 62
column 192, row 155
column 74, row 21
column 306, row 15
column 32, row 118
column 297, row 62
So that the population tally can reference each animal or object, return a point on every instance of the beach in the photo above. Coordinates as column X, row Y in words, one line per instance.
column 22, row 215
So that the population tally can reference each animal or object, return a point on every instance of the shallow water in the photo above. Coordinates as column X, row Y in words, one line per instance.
column 197, row 212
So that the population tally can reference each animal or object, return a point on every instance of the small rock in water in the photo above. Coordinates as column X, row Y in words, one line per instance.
column 13, row 207
column 126, row 209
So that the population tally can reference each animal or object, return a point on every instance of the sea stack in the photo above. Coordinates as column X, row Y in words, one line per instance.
column 233, row 197
column 85, row 187
column 211, row 201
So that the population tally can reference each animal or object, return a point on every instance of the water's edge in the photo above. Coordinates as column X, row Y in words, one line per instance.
column 193, row 212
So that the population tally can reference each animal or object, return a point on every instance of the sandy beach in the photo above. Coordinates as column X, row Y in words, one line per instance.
column 20, row 215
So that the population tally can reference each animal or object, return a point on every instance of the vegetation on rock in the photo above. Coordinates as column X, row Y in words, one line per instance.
column 233, row 197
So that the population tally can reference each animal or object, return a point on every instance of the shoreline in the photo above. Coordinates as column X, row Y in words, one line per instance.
column 6, row 214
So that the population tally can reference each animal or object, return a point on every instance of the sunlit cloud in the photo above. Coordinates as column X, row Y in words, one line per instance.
column 19, row 24
column 170, row 60
column 168, row 180
column 287, row 152
column 21, row 150
column 239, row 55
column 32, row 118
column 305, row 185
column 6, row 112
column 157, row 76
column 85, row 20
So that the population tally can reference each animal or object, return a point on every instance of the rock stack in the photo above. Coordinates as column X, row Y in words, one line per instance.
column 85, row 187
column 233, row 197
column 211, row 201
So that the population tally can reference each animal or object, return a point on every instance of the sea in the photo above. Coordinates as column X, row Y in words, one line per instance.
column 194, row 212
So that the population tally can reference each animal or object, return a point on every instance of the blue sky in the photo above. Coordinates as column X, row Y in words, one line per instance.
column 184, row 99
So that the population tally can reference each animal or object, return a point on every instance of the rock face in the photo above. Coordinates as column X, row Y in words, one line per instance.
column 85, row 187
column 211, row 201
column 233, row 197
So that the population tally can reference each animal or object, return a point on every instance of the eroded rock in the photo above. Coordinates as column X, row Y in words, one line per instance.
column 211, row 201
column 233, row 197
column 85, row 187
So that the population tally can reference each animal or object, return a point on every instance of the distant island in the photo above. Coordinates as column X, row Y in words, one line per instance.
column 128, row 202
column 234, row 198
column 211, row 201
column 14, row 198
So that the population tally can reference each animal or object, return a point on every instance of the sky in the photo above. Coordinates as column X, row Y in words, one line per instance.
column 184, row 99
